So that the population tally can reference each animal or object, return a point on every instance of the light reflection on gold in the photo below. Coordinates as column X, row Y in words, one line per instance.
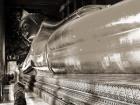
column 112, row 58
column 126, row 20
column 135, row 56
column 132, row 37
column 73, row 61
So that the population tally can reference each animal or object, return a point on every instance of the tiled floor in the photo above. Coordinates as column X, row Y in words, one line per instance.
column 31, row 98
